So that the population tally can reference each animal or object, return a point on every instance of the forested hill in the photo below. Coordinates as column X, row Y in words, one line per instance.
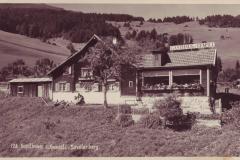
column 44, row 23
column 221, row 21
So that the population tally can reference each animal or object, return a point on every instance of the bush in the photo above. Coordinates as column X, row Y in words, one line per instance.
column 124, row 120
column 125, row 109
column 128, row 35
column 170, row 109
column 3, row 94
column 126, row 24
column 152, row 121
column 231, row 117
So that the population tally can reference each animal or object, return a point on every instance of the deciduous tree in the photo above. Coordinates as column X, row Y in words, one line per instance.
column 105, row 59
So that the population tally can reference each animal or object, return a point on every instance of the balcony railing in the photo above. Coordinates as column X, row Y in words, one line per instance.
column 174, row 87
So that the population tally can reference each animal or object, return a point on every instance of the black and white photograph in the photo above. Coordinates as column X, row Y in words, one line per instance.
column 119, row 80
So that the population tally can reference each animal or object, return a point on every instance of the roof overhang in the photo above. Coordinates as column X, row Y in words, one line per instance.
column 175, row 67
column 30, row 80
column 75, row 57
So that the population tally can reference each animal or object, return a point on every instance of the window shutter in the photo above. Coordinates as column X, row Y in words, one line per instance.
column 77, row 87
column 56, row 86
column 67, row 86
column 70, row 70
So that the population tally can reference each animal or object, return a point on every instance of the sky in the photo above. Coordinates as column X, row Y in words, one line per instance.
column 156, row 10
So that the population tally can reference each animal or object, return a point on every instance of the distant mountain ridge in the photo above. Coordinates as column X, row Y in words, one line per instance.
column 29, row 5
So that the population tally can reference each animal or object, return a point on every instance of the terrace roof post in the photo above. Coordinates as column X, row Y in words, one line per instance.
column 137, row 86
column 170, row 78
column 208, row 82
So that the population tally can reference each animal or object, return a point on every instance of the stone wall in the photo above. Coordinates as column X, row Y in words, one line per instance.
column 93, row 97
column 196, row 104
column 189, row 104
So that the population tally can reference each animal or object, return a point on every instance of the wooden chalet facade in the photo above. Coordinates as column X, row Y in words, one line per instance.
column 187, row 73
column 31, row 87
column 186, row 70
column 73, row 75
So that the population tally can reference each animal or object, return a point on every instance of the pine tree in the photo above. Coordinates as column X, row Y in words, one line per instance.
column 237, row 68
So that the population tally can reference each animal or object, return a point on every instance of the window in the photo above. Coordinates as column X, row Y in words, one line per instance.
column 113, row 86
column 130, row 84
column 62, row 86
column 186, row 79
column 156, row 57
column 86, row 73
column 87, row 86
column 20, row 89
column 67, row 71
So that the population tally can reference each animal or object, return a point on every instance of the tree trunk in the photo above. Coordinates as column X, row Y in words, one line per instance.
column 105, row 96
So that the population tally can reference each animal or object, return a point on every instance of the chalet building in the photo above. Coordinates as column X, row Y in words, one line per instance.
column 187, row 70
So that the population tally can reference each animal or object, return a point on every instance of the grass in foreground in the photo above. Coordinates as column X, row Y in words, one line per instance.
column 27, row 120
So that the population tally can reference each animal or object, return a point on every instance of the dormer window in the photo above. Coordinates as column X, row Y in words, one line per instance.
column 68, row 70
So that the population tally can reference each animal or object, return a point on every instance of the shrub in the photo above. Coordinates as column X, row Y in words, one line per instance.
column 126, row 24
column 169, row 108
column 125, row 109
column 128, row 35
column 3, row 94
column 152, row 121
column 124, row 120
column 231, row 117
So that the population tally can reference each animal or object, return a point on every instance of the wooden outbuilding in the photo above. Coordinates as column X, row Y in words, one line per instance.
column 31, row 87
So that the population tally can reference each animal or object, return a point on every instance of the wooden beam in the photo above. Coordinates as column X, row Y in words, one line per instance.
column 137, row 83
column 208, row 82
column 200, row 75
column 170, row 78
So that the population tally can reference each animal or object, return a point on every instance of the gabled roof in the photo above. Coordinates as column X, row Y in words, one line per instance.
column 29, row 80
column 183, row 58
column 76, row 56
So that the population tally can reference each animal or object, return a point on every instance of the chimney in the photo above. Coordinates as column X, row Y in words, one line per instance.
column 157, row 58
column 160, row 57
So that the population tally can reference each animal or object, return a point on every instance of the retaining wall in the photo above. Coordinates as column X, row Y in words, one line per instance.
column 189, row 104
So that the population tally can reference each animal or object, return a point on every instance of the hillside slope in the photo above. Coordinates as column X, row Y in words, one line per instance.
column 14, row 46
column 26, row 120
column 228, row 49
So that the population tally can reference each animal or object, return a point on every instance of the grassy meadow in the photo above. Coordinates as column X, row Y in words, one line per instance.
column 227, row 48
column 28, row 121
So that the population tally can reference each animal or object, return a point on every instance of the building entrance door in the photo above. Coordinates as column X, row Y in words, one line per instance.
column 40, row 91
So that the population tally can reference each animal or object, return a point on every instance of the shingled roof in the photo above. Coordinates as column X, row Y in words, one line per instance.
column 183, row 58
